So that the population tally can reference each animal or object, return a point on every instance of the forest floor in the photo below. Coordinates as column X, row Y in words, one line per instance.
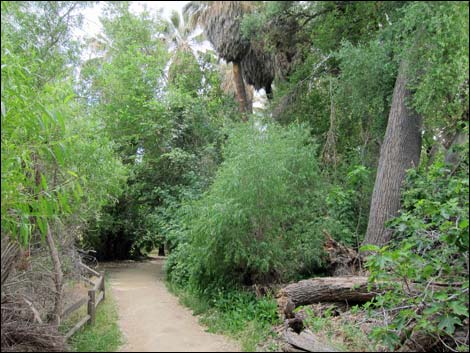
column 151, row 319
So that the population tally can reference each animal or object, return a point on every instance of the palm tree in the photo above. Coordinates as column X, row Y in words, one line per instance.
column 221, row 23
column 228, row 85
column 184, row 71
column 258, row 68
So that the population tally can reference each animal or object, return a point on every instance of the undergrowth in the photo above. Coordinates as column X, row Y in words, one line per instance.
column 237, row 314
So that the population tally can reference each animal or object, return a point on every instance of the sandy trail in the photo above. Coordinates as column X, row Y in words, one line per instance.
column 151, row 318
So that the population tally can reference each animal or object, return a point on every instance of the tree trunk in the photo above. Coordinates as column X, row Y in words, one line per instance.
column 58, row 278
column 400, row 151
column 241, row 93
column 325, row 289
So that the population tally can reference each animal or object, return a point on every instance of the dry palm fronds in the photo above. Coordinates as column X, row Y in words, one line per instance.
column 10, row 255
column 22, row 333
column 258, row 68
column 221, row 22
column 22, row 329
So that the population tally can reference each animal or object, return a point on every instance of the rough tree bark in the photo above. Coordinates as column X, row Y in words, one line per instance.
column 306, row 341
column 400, row 151
column 241, row 93
column 325, row 289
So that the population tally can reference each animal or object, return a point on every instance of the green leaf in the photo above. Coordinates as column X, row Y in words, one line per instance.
column 58, row 154
column 433, row 309
column 43, row 182
column 448, row 323
column 441, row 296
column 445, row 214
column 463, row 224
column 69, row 97
column 60, row 120
column 369, row 247
column 459, row 308
column 24, row 233
column 42, row 223
column 72, row 173
column 64, row 202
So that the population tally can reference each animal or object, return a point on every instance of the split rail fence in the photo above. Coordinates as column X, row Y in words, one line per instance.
column 95, row 295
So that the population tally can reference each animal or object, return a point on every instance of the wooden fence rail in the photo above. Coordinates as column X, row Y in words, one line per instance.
column 95, row 295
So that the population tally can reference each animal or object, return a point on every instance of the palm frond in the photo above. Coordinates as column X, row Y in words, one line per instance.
column 175, row 19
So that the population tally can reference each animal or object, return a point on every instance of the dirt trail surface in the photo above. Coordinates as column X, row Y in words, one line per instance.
column 151, row 318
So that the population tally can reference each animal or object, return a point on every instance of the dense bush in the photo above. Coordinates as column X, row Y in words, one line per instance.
column 257, row 223
column 427, row 264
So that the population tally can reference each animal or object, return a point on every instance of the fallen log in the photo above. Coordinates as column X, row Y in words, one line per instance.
column 305, row 341
column 286, row 347
column 352, row 289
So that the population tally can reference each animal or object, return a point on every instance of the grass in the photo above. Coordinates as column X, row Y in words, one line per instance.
column 237, row 314
column 343, row 332
column 105, row 335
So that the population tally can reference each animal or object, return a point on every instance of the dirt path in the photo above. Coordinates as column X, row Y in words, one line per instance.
column 151, row 318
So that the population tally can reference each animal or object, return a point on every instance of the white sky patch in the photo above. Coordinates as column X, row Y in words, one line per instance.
column 91, row 22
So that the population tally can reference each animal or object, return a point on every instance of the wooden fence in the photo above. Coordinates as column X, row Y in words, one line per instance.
column 95, row 295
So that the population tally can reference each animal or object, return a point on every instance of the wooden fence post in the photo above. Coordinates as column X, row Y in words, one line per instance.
column 91, row 306
column 102, row 285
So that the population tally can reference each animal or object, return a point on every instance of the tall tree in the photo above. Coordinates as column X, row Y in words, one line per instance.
column 184, row 71
column 221, row 22
column 228, row 84
column 437, row 76
column 400, row 151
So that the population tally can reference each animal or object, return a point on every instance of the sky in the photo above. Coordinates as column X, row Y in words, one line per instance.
column 91, row 22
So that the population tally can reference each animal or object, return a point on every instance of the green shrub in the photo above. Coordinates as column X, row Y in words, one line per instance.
column 257, row 223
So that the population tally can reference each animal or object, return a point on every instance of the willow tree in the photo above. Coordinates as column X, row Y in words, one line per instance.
column 221, row 23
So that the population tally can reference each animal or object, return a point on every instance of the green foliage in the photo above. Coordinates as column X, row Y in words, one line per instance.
column 347, row 205
column 259, row 211
column 169, row 136
column 435, row 41
column 55, row 163
column 341, row 332
column 430, row 248
column 365, row 88
column 43, row 29
column 185, row 72
column 235, row 313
